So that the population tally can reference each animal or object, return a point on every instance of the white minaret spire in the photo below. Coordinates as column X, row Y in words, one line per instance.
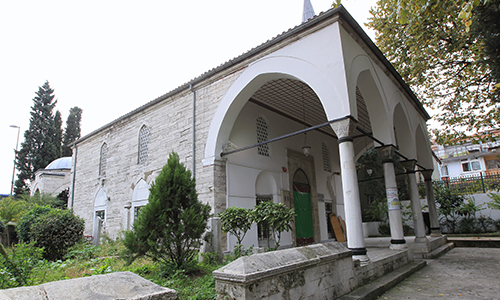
column 308, row 11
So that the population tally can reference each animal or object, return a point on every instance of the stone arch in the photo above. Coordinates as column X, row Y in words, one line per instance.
column 140, row 194
column 329, row 93
column 265, row 184
column 364, row 77
column 423, row 147
column 100, row 210
column 402, row 132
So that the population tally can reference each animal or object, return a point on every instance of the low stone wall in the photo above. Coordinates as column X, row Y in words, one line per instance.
column 319, row 271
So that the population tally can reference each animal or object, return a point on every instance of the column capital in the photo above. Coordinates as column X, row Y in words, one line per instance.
column 344, row 128
column 409, row 164
column 386, row 152
column 427, row 173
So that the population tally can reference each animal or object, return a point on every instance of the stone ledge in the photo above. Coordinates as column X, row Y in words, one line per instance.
column 269, row 264
column 121, row 285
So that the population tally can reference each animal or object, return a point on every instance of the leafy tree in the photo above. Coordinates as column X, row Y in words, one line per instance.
column 274, row 216
column 23, row 229
column 450, row 205
column 236, row 221
column 431, row 47
column 11, row 209
column 170, row 226
column 42, row 142
column 72, row 132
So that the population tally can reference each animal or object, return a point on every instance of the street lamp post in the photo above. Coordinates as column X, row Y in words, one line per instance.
column 14, row 170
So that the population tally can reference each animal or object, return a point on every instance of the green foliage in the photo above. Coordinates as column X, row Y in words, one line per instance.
column 170, row 226
column 274, row 216
column 24, row 226
column 53, row 229
column 2, row 227
column 378, row 211
column 449, row 204
column 237, row 221
column 57, row 231
column 73, row 131
column 42, row 140
column 17, row 266
column 495, row 201
column 447, row 66
column 12, row 209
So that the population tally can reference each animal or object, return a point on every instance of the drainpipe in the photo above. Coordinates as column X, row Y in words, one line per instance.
column 194, row 130
column 73, row 180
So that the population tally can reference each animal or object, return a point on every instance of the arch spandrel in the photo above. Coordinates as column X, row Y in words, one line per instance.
column 363, row 76
column 423, row 148
column 255, row 76
column 404, row 135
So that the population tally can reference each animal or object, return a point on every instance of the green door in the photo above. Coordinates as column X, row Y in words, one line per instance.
column 304, row 232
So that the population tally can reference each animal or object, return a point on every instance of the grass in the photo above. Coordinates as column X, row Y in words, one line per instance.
column 87, row 260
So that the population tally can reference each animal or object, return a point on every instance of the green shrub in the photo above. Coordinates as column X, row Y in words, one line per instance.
column 24, row 227
column 237, row 221
column 16, row 267
column 170, row 226
column 274, row 216
column 57, row 231
column 2, row 227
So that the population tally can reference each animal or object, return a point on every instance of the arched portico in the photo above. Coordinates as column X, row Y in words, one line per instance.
column 329, row 93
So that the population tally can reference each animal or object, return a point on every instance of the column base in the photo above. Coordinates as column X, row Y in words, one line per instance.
column 436, row 232
column 421, row 240
column 363, row 259
column 358, row 251
column 398, row 247
column 398, row 241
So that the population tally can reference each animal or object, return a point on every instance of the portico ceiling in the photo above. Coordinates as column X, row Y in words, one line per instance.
column 297, row 101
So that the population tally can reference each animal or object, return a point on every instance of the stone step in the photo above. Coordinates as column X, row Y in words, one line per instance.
column 383, row 284
column 435, row 253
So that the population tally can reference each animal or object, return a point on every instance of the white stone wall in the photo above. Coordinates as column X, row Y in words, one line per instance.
column 170, row 124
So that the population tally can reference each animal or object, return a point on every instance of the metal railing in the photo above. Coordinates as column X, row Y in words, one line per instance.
column 478, row 183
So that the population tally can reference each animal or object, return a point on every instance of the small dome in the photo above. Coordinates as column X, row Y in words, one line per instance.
column 60, row 163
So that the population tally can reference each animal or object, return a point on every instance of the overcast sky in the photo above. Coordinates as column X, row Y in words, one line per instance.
column 110, row 56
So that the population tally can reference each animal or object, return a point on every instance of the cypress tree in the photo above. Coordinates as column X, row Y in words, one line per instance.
column 72, row 132
column 42, row 140
column 172, row 223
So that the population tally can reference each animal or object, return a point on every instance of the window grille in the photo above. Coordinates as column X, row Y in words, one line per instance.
column 104, row 158
column 143, row 145
column 262, row 136
column 326, row 158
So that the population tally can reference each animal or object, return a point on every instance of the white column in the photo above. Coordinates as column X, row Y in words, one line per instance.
column 416, row 206
column 398, row 241
column 352, row 206
column 431, row 202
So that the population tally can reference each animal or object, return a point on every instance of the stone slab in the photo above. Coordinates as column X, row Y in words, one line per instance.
column 120, row 285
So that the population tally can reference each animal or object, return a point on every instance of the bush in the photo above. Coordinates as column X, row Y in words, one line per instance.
column 24, row 227
column 274, row 216
column 57, row 231
column 2, row 227
column 12, row 209
column 16, row 267
column 237, row 221
column 169, row 227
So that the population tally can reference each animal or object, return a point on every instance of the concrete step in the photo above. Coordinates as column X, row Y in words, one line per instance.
column 481, row 242
column 383, row 284
column 435, row 253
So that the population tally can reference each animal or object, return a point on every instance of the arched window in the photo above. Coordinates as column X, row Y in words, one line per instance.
column 326, row 158
column 104, row 159
column 262, row 136
column 143, row 145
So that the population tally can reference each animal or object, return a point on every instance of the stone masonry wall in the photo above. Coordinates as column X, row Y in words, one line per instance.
column 170, row 124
